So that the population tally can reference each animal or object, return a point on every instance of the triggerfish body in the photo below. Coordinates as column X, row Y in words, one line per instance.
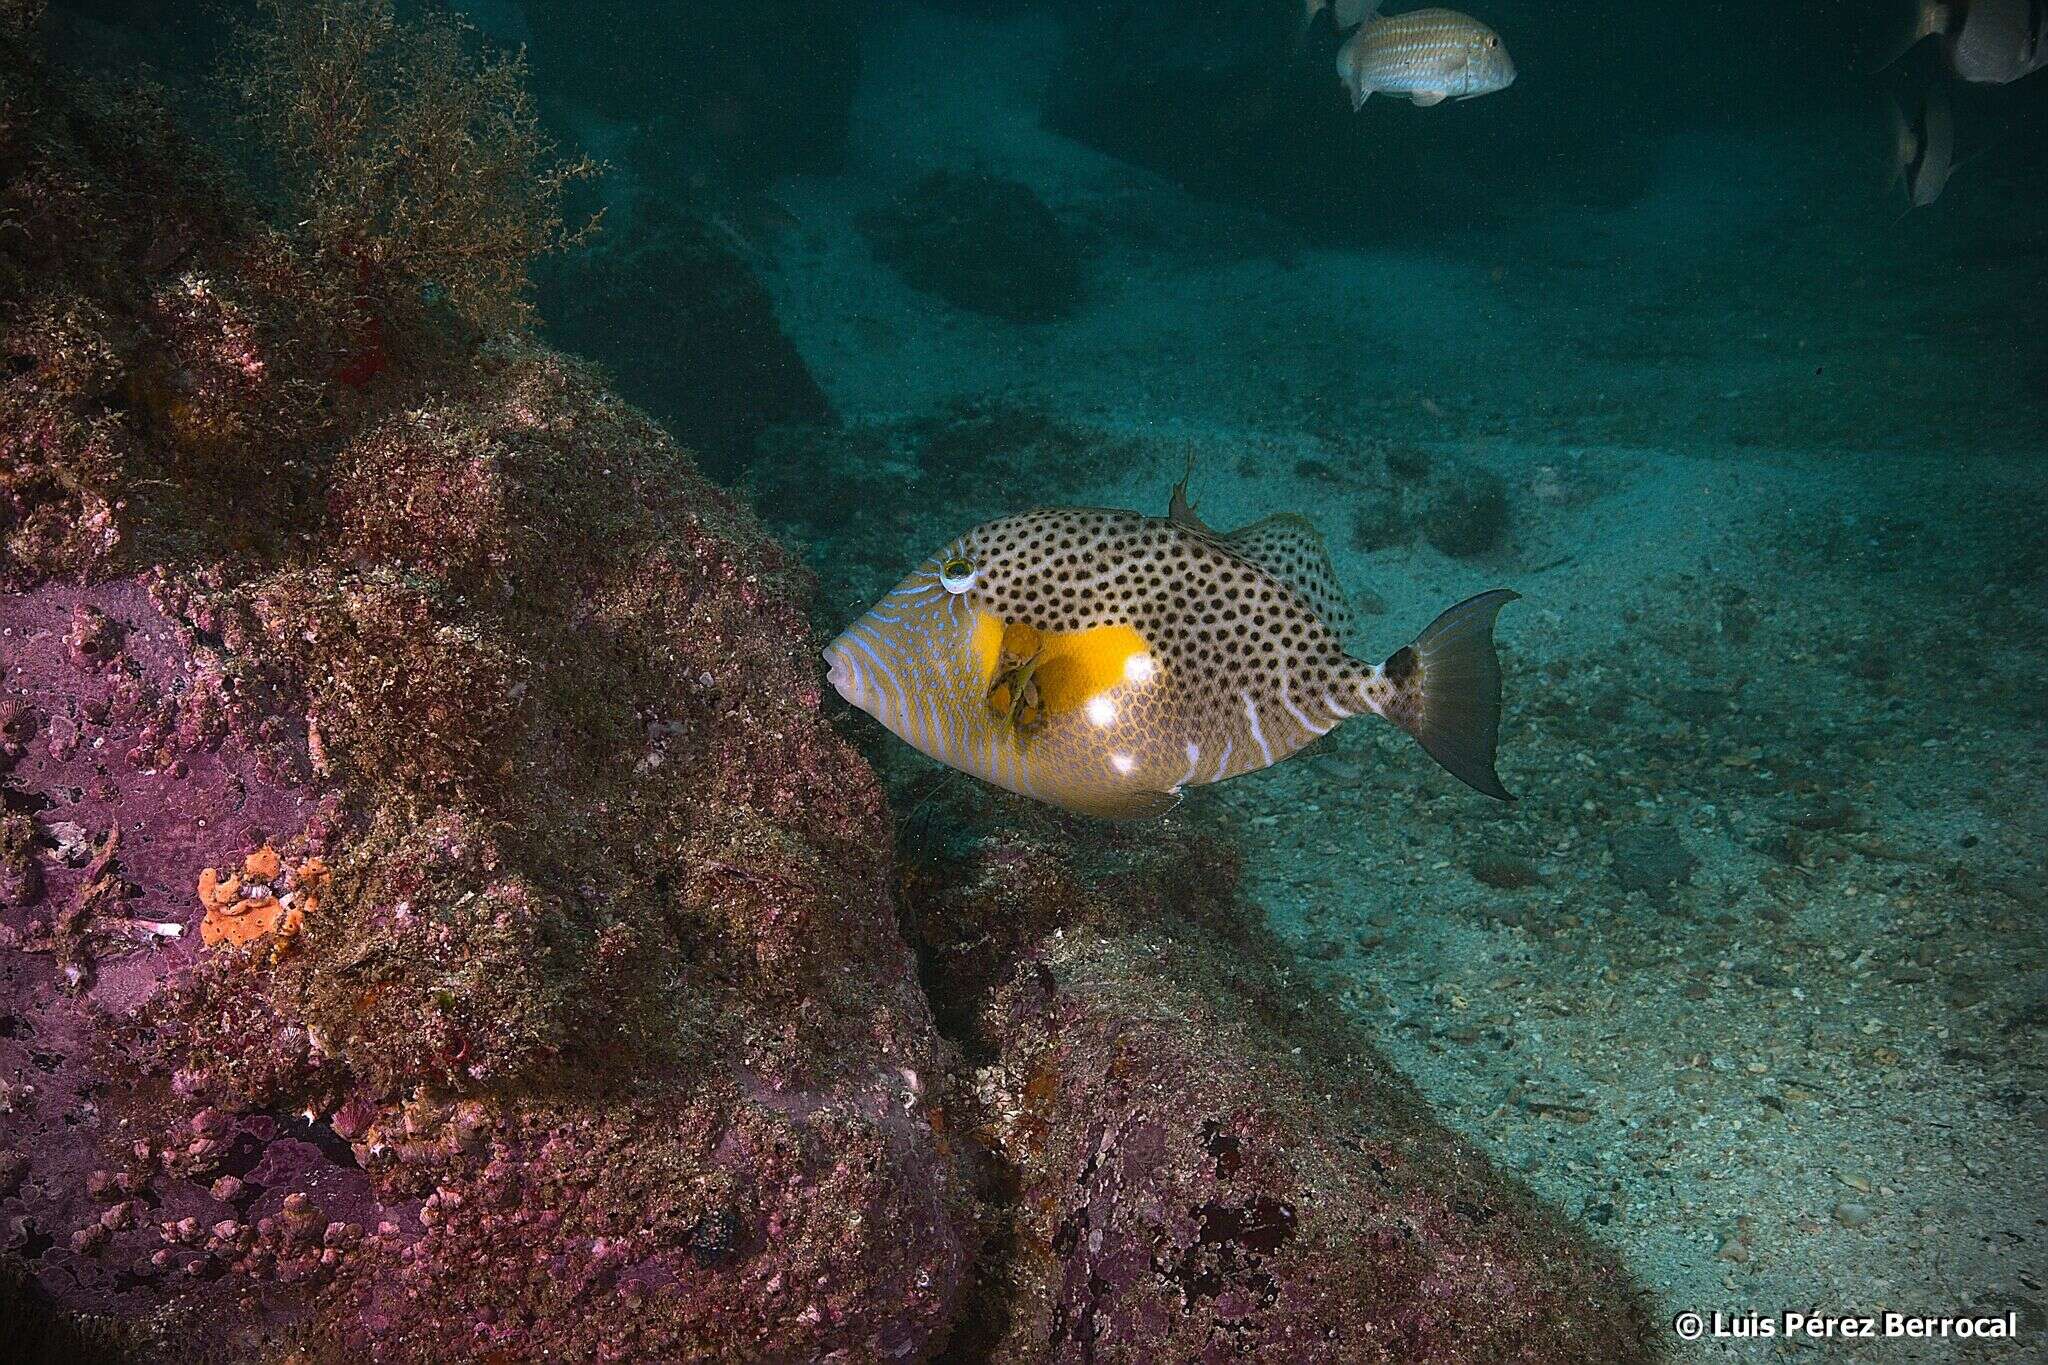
column 1104, row 661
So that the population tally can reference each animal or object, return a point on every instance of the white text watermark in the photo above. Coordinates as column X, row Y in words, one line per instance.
column 1714, row 1325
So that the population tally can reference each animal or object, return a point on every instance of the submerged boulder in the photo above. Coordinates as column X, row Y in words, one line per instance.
column 982, row 243
column 437, row 917
column 1209, row 1162
column 674, row 312
column 766, row 87
column 1235, row 99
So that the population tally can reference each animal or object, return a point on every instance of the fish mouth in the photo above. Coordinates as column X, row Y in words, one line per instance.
column 841, row 672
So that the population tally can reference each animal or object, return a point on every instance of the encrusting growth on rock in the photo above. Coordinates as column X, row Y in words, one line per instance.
column 261, row 900
column 409, row 157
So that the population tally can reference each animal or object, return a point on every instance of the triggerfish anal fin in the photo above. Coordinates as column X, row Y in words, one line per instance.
column 1134, row 804
column 1444, row 689
column 1291, row 549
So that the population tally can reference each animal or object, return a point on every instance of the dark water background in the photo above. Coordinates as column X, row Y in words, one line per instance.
column 710, row 109
column 1200, row 86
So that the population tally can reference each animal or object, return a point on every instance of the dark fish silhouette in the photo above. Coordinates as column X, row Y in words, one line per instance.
column 1924, row 147
column 1984, row 42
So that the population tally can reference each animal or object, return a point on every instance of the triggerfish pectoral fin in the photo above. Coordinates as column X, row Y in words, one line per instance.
column 1074, row 668
column 1444, row 689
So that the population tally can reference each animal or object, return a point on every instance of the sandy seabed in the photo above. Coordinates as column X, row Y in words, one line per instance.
column 1752, row 977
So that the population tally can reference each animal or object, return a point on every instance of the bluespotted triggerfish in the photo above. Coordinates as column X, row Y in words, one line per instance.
column 1106, row 661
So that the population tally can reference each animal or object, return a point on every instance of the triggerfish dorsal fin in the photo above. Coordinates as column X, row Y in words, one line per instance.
column 1180, row 510
column 1291, row 550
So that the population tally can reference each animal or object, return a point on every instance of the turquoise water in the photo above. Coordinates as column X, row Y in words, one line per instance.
column 1772, row 461
column 1752, row 979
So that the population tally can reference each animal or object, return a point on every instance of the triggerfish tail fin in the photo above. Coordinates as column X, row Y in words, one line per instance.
column 1444, row 689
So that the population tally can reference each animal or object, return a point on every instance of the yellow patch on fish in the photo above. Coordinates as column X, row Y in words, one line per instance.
column 1104, row 661
column 1075, row 668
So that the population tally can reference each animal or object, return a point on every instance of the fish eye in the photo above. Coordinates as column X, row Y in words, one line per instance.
column 1493, row 40
column 956, row 575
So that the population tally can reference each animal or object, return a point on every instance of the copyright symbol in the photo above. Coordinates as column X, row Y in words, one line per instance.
column 1690, row 1326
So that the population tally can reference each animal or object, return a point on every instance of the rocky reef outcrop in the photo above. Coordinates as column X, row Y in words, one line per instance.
column 982, row 243
column 438, row 921
column 1200, row 1158
column 765, row 88
column 675, row 314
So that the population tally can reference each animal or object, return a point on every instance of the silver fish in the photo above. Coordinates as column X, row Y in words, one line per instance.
column 1104, row 661
column 1999, row 41
column 1345, row 14
column 1924, row 147
column 1429, row 55
column 1985, row 42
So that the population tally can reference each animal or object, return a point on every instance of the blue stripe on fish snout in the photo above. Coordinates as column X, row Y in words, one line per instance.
column 883, row 701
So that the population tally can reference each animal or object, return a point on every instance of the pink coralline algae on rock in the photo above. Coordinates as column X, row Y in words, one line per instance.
column 1208, row 1163
column 119, row 754
column 589, row 1039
